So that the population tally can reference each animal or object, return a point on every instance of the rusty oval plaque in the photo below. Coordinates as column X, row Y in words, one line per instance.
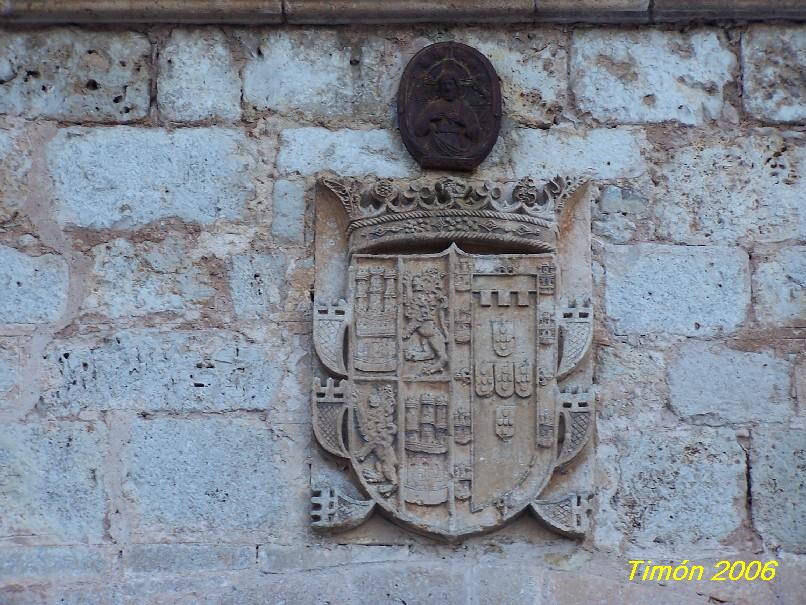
column 449, row 106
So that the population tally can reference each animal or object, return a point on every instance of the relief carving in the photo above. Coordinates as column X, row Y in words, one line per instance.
column 465, row 377
column 449, row 106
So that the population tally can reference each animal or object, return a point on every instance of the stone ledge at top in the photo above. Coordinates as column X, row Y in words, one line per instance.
column 142, row 11
column 329, row 12
column 409, row 11
column 692, row 10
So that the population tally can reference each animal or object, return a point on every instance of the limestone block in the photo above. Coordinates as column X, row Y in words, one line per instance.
column 186, row 558
column 52, row 481
column 748, row 190
column 376, row 11
column 11, row 360
column 630, row 379
column 714, row 384
column 200, row 371
column 83, row 593
column 34, row 287
column 507, row 583
column 272, row 286
column 217, row 479
column 773, row 62
column 601, row 153
column 68, row 74
column 659, row 498
column 575, row 587
column 690, row 291
column 20, row 563
column 281, row 559
column 288, row 212
column 198, row 78
column 15, row 165
column 122, row 177
column 646, row 76
column 778, row 480
column 436, row 582
column 779, row 287
column 133, row 279
column 347, row 152
column 621, row 214
column 317, row 74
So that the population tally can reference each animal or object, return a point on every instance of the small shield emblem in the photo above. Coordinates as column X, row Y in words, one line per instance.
column 505, row 422
column 484, row 379
column 523, row 379
column 503, row 337
column 504, row 379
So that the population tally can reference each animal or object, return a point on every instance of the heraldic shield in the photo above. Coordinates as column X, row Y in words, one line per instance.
column 446, row 390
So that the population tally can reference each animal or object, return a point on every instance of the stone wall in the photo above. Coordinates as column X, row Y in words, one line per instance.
column 156, row 205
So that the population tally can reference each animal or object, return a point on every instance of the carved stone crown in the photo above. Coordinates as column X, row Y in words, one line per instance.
column 389, row 214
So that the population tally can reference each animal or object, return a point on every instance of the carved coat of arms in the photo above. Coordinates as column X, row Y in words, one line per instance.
column 452, row 355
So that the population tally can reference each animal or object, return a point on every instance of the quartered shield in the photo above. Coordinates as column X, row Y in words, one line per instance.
column 449, row 412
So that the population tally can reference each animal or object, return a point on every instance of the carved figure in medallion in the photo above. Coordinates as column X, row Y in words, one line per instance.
column 449, row 106
column 447, row 120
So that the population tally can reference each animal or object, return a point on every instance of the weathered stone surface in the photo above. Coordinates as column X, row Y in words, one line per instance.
column 51, row 478
column 779, row 287
column 315, row 73
column 621, row 214
column 630, row 379
column 11, row 353
column 778, row 481
column 122, row 177
column 650, row 76
column 653, row 288
column 282, row 559
column 203, row 370
column 225, row 478
column 15, row 164
column 712, row 383
column 288, row 212
column 773, row 63
column 435, row 582
column 508, row 583
column 83, row 593
column 579, row 587
column 132, row 279
column 34, row 287
column 55, row 562
column 747, row 190
column 350, row 152
column 69, row 74
column 659, row 498
column 186, row 558
column 198, row 78
column 601, row 153
column 265, row 286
